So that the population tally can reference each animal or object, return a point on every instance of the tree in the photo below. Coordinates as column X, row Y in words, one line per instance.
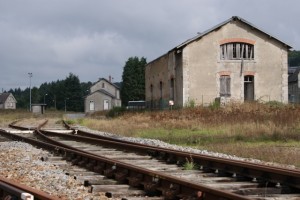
column 73, row 93
column 133, row 77
column 294, row 58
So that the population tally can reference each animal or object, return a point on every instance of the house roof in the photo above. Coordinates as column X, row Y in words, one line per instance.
column 3, row 97
column 234, row 18
column 107, row 82
column 103, row 92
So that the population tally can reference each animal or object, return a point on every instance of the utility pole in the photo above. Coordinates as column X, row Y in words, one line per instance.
column 30, row 75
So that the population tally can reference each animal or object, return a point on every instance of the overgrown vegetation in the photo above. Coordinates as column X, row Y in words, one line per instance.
column 268, row 131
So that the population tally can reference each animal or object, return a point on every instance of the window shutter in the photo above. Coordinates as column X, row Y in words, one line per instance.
column 225, row 85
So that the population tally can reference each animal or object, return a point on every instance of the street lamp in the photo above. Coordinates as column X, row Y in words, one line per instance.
column 44, row 98
column 30, row 75
column 66, row 104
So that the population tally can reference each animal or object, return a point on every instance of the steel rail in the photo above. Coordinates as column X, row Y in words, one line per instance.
column 14, row 189
column 171, row 186
column 289, row 177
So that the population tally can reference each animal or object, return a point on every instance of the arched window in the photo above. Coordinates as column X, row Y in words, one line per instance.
column 236, row 51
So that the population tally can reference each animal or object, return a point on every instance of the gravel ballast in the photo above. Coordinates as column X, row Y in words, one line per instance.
column 22, row 162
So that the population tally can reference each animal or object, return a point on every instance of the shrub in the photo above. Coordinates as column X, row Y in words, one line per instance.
column 115, row 112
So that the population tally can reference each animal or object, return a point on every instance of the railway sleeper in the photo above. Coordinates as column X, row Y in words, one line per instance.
column 99, row 168
column 135, row 181
column 258, row 191
column 91, row 164
column 121, row 176
column 151, row 188
column 125, row 193
column 109, row 173
column 170, row 192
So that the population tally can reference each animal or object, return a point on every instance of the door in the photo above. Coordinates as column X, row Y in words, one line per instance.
column 92, row 105
column 249, row 88
column 106, row 105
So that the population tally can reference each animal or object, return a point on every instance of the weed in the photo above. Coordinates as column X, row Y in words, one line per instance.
column 189, row 164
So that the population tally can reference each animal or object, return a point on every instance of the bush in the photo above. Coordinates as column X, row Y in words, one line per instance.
column 115, row 112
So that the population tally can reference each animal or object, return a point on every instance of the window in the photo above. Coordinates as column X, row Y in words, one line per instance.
column 225, row 86
column 237, row 51
column 103, row 85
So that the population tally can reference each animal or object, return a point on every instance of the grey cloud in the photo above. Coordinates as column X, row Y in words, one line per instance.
column 95, row 38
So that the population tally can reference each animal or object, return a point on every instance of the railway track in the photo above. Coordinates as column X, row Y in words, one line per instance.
column 12, row 190
column 158, row 172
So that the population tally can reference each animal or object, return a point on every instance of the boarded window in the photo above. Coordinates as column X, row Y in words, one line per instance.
column 237, row 51
column 225, row 86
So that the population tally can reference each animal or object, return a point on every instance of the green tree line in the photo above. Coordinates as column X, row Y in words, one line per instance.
column 294, row 58
column 71, row 91
column 56, row 95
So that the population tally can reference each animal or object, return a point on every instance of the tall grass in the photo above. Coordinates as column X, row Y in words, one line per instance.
column 249, row 130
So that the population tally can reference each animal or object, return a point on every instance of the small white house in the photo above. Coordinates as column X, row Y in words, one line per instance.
column 7, row 101
column 104, row 95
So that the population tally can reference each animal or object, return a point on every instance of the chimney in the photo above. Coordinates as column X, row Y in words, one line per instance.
column 109, row 78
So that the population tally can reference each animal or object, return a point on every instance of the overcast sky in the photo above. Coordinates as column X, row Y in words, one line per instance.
column 94, row 38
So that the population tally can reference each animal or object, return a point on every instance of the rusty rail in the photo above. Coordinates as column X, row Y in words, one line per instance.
column 289, row 177
column 10, row 189
column 168, row 186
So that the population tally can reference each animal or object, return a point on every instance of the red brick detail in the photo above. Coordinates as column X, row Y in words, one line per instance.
column 249, row 73
column 224, row 73
column 241, row 40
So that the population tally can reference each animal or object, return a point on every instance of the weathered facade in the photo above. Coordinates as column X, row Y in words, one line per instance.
column 7, row 101
column 104, row 95
column 234, row 61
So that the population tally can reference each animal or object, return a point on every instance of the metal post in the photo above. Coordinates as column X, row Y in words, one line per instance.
column 30, row 75
column 44, row 98
column 66, row 104
column 55, row 101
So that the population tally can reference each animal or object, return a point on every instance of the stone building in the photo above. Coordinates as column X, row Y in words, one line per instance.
column 7, row 101
column 104, row 95
column 233, row 61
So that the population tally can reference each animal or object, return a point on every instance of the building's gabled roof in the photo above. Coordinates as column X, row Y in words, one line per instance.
column 3, row 97
column 200, row 35
column 104, row 79
column 103, row 92
column 234, row 18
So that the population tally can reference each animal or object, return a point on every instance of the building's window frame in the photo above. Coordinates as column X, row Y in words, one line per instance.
column 237, row 51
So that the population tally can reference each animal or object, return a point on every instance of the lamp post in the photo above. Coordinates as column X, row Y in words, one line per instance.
column 66, row 104
column 45, row 98
column 30, row 75
column 54, row 101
